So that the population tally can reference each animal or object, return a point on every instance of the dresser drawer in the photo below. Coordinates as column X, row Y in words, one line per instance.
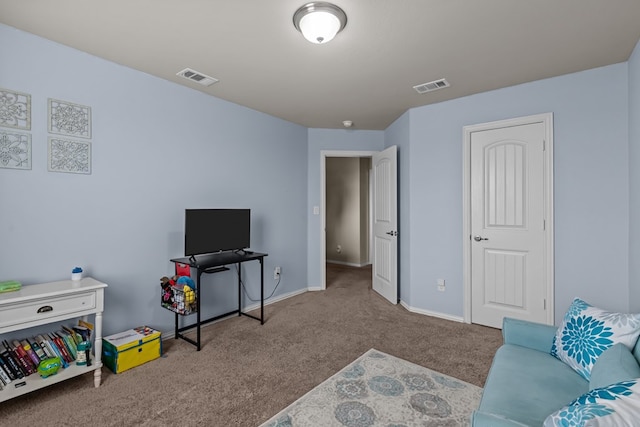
column 47, row 308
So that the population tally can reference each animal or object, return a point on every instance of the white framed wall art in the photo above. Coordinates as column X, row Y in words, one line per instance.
column 15, row 109
column 71, row 156
column 67, row 118
column 15, row 150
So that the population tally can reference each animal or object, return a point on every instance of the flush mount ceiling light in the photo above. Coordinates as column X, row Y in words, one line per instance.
column 319, row 21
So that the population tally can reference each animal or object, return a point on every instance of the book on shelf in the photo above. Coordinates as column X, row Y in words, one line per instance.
column 21, row 356
column 25, row 359
column 54, row 348
column 76, row 337
column 69, row 343
column 14, row 360
column 4, row 373
column 4, row 365
column 36, row 347
column 61, row 347
column 45, row 346
column 4, row 378
column 12, row 364
column 30, row 352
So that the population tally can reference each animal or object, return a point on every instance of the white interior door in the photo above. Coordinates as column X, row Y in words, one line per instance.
column 509, row 234
column 385, row 224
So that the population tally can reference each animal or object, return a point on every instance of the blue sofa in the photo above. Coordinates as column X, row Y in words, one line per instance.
column 526, row 383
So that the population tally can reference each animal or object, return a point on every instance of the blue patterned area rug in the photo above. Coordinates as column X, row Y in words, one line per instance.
column 378, row 389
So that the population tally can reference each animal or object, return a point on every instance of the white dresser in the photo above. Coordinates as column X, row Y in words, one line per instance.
column 53, row 302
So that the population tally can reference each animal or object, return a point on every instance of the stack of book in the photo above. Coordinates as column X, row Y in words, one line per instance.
column 20, row 358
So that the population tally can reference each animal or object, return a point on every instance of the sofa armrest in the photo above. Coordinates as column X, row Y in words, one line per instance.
column 536, row 336
column 482, row 419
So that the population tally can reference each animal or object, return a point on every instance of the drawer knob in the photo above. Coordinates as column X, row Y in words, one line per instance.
column 45, row 308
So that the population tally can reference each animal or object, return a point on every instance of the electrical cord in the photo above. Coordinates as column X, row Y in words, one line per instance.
column 247, row 293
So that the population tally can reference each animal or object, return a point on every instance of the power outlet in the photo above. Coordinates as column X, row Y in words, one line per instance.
column 441, row 286
column 276, row 273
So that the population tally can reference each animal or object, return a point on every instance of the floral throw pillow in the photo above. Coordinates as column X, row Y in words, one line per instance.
column 616, row 405
column 587, row 331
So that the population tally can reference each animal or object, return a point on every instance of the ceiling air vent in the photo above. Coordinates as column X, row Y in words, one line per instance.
column 197, row 77
column 431, row 86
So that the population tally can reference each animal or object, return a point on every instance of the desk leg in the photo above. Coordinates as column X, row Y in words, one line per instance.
column 176, row 335
column 261, row 291
column 198, row 308
column 239, row 267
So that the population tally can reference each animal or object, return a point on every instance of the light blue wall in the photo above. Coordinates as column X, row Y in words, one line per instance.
column 334, row 140
column 158, row 148
column 634, row 181
column 591, row 187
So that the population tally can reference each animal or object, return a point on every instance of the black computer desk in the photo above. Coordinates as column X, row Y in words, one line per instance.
column 215, row 263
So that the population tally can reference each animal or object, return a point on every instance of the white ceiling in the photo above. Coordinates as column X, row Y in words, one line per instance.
column 367, row 73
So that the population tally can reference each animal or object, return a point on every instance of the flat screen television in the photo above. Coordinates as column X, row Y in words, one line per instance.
column 216, row 230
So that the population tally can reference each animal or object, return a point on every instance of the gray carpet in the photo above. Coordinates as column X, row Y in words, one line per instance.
column 246, row 373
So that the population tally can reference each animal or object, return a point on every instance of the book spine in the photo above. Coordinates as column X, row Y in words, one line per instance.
column 7, row 367
column 54, row 347
column 23, row 358
column 77, row 337
column 61, row 348
column 4, row 372
column 36, row 347
column 70, row 343
column 44, row 345
column 30, row 352
column 14, row 358
column 74, row 335
column 10, row 361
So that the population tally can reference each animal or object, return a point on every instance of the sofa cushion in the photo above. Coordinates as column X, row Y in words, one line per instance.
column 614, row 365
column 526, row 385
column 587, row 331
column 616, row 405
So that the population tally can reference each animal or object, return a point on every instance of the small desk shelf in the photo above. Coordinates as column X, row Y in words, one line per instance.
column 215, row 263
column 64, row 300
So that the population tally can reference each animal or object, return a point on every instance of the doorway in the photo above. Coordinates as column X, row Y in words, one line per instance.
column 508, row 225
column 346, row 206
column 347, row 210
column 383, row 220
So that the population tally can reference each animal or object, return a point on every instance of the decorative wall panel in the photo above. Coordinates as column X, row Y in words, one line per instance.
column 15, row 109
column 15, row 150
column 66, row 118
column 69, row 156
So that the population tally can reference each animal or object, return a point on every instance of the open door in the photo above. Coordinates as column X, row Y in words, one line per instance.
column 385, row 224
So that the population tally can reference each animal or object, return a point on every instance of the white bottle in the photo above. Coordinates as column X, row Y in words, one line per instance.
column 76, row 274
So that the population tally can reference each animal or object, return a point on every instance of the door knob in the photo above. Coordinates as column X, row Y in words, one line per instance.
column 392, row 233
column 478, row 238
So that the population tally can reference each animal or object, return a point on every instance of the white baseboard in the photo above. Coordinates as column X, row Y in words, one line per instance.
column 171, row 334
column 432, row 313
column 276, row 299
